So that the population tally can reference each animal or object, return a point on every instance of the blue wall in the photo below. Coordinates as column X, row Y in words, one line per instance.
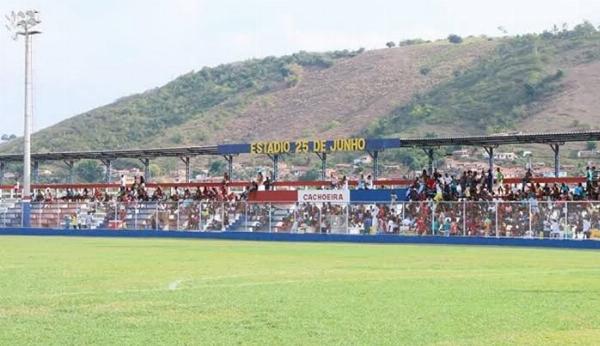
column 374, row 239
column 383, row 195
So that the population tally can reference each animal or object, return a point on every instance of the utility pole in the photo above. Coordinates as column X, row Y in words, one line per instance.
column 21, row 24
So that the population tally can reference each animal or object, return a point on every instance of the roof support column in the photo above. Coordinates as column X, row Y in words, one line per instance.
column 108, row 165
column 323, row 157
column 429, row 153
column 36, row 171
column 2, row 173
column 375, row 156
column 188, row 171
column 556, row 149
column 275, row 174
column 229, row 159
column 146, row 163
column 70, row 164
column 490, row 151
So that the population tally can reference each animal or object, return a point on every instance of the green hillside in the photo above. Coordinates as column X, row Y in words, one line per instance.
column 137, row 120
column 534, row 82
column 500, row 91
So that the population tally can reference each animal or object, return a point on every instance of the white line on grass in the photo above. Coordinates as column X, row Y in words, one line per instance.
column 174, row 285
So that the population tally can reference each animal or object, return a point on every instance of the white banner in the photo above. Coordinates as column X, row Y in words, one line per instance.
column 324, row 196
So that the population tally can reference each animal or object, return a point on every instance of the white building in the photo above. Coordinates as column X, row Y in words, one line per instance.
column 502, row 156
column 587, row 153
column 461, row 154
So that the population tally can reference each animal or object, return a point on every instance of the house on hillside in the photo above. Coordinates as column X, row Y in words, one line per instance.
column 298, row 171
column 461, row 154
column 585, row 154
column 500, row 156
column 363, row 160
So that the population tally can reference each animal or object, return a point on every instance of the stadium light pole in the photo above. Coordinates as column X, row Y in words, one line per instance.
column 21, row 24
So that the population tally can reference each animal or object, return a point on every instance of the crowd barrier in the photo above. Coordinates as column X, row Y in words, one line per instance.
column 499, row 219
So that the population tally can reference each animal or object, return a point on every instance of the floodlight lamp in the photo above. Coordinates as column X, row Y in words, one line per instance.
column 21, row 14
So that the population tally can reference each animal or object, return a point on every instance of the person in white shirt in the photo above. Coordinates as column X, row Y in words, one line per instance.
column 554, row 229
column 344, row 183
column 123, row 182
column 587, row 226
column 391, row 226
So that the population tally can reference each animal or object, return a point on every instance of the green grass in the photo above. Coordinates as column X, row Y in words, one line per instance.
column 161, row 291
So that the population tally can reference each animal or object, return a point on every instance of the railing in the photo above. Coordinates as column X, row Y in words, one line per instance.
column 525, row 219
column 10, row 191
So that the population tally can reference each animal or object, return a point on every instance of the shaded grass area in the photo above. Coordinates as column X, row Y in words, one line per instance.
column 164, row 291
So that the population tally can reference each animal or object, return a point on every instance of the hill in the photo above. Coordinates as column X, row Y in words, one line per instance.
column 522, row 85
column 534, row 82
column 331, row 94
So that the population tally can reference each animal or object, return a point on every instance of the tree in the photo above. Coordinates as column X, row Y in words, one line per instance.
column 216, row 168
column 391, row 44
column 89, row 171
column 310, row 175
column 591, row 145
column 453, row 38
column 585, row 29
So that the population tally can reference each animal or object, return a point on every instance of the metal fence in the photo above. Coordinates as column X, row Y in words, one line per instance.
column 524, row 219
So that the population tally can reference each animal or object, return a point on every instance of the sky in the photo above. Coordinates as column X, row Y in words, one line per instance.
column 93, row 52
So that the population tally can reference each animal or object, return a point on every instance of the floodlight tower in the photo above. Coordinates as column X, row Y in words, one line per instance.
column 21, row 24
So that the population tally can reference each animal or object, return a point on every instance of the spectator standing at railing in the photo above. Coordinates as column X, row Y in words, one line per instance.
column 260, row 181
column 499, row 177
column 48, row 195
column 463, row 182
column 123, row 182
column 39, row 197
column 579, row 192
column 367, row 223
column 344, row 183
column 490, row 180
column 361, row 182
column 74, row 222
column 89, row 220
column 564, row 189
column 527, row 178
column 369, row 182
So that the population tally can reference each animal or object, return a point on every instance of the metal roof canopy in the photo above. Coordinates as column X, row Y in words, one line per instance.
column 482, row 141
column 115, row 154
column 505, row 139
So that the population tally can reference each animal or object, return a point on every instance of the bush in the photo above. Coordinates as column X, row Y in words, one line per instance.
column 391, row 44
column 453, row 38
column 425, row 71
column 310, row 175
column 412, row 42
column 591, row 145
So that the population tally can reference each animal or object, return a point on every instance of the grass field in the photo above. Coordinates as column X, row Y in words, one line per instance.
column 161, row 291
